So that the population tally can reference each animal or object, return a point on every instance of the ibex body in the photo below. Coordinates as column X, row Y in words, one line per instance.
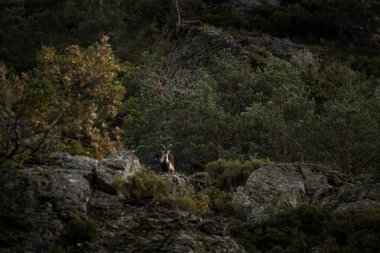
column 166, row 162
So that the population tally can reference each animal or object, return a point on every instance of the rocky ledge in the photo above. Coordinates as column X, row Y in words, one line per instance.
column 71, row 198
column 74, row 204
column 279, row 186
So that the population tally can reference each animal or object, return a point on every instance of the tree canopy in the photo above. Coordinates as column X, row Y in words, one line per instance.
column 68, row 101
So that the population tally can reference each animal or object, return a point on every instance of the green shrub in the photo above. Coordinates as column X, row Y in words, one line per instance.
column 258, row 56
column 79, row 230
column 145, row 186
column 369, row 65
column 219, row 201
column 119, row 183
column 204, row 176
column 196, row 204
column 227, row 175
column 201, row 180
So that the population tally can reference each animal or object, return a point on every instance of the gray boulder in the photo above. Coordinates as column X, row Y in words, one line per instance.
column 349, row 197
column 181, row 184
column 275, row 187
column 268, row 188
column 123, row 164
column 118, row 166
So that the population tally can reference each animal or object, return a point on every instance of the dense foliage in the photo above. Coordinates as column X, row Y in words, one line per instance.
column 227, row 175
column 307, row 110
column 144, row 187
column 309, row 228
column 343, row 20
column 67, row 103
column 321, row 114
column 348, row 26
column 28, row 25
column 60, row 91
column 78, row 230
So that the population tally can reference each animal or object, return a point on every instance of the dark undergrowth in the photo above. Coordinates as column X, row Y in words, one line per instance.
column 310, row 228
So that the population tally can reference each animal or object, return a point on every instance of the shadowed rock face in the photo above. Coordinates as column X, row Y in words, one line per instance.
column 46, row 197
column 194, row 49
column 38, row 203
column 196, row 46
column 275, row 187
column 162, row 229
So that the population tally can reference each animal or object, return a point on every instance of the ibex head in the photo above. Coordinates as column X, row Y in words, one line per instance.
column 165, row 150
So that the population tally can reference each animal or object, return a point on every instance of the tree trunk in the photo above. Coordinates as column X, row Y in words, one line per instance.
column 177, row 4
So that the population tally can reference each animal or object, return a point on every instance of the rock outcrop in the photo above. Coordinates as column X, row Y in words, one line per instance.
column 283, row 48
column 180, row 183
column 70, row 196
column 194, row 49
column 155, row 228
column 46, row 197
column 275, row 187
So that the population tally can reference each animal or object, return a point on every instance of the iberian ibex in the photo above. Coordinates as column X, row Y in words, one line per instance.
column 166, row 160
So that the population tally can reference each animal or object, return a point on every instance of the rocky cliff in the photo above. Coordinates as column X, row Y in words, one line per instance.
column 72, row 203
column 42, row 199
column 195, row 47
column 197, row 44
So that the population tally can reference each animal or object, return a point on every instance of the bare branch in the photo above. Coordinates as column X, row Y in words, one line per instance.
column 52, row 125
column 177, row 4
column 17, row 138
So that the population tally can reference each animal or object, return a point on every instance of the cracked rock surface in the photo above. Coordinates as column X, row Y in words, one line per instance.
column 279, row 186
